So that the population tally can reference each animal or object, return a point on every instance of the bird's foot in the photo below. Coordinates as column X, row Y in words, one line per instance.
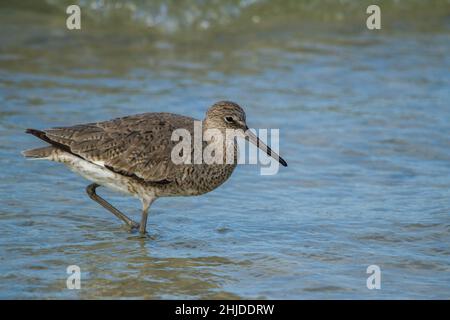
column 144, row 235
column 134, row 226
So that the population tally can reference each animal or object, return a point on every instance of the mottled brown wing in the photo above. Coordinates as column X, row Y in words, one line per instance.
column 138, row 145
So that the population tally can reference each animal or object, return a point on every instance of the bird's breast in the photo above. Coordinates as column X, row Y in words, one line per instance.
column 197, row 179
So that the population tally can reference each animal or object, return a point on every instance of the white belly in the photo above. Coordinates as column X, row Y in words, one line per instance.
column 93, row 172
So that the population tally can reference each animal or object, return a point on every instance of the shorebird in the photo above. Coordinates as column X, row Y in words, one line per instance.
column 132, row 155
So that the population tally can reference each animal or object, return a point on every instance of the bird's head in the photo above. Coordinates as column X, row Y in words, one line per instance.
column 226, row 115
column 229, row 115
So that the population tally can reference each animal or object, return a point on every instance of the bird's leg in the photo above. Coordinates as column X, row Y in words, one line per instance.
column 90, row 189
column 145, row 206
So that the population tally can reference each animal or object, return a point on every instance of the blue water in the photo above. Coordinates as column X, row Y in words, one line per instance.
column 364, row 126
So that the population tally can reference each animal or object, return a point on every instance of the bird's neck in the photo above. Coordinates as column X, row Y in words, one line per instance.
column 220, row 142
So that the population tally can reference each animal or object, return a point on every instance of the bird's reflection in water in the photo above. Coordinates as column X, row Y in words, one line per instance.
column 135, row 268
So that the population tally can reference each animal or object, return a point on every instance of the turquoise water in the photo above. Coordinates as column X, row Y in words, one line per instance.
column 364, row 125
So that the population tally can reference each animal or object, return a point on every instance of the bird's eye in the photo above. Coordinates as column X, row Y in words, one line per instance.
column 229, row 119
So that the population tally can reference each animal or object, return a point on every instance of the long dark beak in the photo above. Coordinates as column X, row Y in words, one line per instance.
column 250, row 136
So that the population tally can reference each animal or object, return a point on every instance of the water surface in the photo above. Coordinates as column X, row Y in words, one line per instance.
column 364, row 125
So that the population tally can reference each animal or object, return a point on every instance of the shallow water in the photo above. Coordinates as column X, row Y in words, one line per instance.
column 364, row 125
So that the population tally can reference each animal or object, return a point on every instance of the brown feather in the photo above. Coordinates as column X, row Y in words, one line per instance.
column 138, row 145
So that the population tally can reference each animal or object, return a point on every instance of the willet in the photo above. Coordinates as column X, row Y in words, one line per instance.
column 132, row 155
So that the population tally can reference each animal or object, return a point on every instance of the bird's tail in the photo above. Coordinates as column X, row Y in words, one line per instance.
column 39, row 153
